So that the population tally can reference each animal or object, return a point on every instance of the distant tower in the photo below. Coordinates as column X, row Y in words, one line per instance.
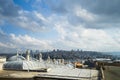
column 40, row 57
column 59, row 61
column 48, row 59
column 28, row 55
column 54, row 60
column 17, row 55
column 62, row 61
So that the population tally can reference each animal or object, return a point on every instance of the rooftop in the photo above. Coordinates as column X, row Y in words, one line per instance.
column 67, row 73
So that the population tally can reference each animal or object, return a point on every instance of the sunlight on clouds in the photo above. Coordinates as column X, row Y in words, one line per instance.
column 76, row 24
column 84, row 14
column 3, row 45
column 39, row 16
column 29, row 42
column 32, row 21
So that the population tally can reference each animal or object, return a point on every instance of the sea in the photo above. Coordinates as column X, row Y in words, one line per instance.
column 116, row 54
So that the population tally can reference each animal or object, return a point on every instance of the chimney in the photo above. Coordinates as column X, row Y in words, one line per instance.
column 28, row 55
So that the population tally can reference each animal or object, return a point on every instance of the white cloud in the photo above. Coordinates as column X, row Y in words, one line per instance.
column 61, row 31
column 90, row 40
column 30, row 21
column 6, row 48
column 84, row 14
column 3, row 45
column 39, row 16
column 78, row 37
column 29, row 42
column 12, row 42
column 76, row 27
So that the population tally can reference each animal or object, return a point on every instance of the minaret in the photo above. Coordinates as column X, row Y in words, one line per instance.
column 48, row 59
column 17, row 55
column 54, row 60
column 28, row 55
column 62, row 61
column 40, row 57
column 59, row 61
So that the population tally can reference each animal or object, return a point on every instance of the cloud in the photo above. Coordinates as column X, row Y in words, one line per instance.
column 103, row 7
column 80, row 37
column 32, row 21
column 5, row 49
column 99, row 7
column 78, row 24
column 96, row 15
column 50, row 6
column 89, row 39
column 84, row 14
column 92, row 14
column 8, row 8
column 29, row 42
column 14, row 15
column 5, row 43
column 12, row 42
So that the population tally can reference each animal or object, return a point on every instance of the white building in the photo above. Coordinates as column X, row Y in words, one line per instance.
column 18, row 62
column 57, row 68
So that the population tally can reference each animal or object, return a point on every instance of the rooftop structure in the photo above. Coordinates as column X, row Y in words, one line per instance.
column 18, row 62
column 2, row 58
column 67, row 73
column 16, row 58
column 55, row 69
column 103, row 60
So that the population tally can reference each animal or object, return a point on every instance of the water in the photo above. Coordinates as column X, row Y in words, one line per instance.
column 115, row 53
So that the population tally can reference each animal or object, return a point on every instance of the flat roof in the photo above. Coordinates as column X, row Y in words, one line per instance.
column 68, row 73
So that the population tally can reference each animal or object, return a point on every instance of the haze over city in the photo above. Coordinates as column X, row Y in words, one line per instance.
column 60, row 24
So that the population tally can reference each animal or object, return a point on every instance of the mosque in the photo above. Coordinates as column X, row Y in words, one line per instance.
column 18, row 62
column 49, row 69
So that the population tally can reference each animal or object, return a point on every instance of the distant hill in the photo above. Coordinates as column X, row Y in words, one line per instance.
column 74, row 54
column 67, row 55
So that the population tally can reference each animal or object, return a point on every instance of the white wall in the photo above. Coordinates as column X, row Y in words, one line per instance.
column 1, row 64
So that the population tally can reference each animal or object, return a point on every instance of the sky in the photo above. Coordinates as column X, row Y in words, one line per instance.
column 92, row 25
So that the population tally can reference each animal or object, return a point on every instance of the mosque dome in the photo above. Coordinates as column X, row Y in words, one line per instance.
column 16, row 58
column 23, row 65
column 16, row 65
